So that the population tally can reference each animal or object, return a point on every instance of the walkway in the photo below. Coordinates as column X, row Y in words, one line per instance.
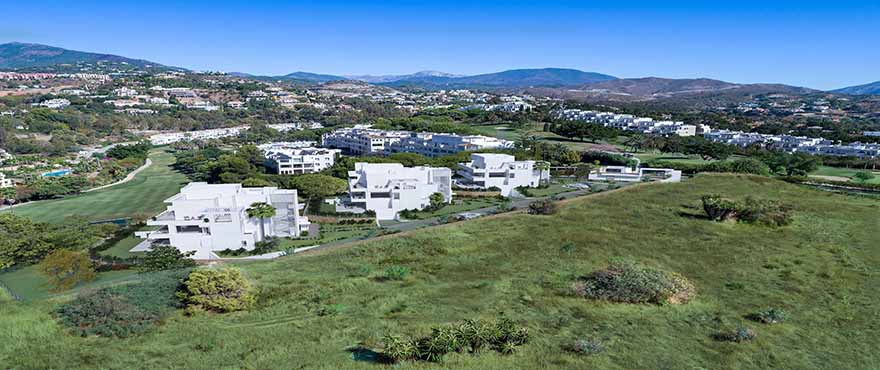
column 127, row 178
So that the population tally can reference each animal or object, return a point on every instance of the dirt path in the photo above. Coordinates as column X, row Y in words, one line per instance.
column 127, row 178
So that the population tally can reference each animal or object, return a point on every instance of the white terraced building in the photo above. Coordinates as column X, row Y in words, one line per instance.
column 629, row 174
column 432, row 145
column 5, row 183
column 361, row 139
column 388, row 188
column 300, row 160
column 208, row 218
column 501, row 171
column 628, row 122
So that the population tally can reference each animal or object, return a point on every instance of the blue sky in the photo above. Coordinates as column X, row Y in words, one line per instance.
column 824, row 45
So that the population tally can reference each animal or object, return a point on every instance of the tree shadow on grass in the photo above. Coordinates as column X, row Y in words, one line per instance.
column 363, row 354
column 693, row 212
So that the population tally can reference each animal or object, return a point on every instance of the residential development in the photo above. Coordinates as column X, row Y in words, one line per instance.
column 388, row 188
column 294, row 161
column 363, row 139
column 501, row 171
column 205, row 218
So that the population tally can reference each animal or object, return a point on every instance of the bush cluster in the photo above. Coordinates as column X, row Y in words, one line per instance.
column 471, row 336
column 628, row 282
column 771, row 316
column 356, row 222
column 543, row 207
column 123, row 310
column 218, row 290
column 586, row 347
column 396, row 273
column 738, row 335
column 750, row 210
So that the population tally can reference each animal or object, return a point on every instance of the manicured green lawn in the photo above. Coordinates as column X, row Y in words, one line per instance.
column 844, row 172
column 142, row 195
column 460, row 205
column 121, row 248
column 822, row 270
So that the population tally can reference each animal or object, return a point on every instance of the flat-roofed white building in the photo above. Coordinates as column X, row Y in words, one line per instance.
column 207, row 218
column 5, row 183
column 300, row 160
column 502, row 171
column 362, row 139
column 432, row 145
column 388, row 188
column 629, row 174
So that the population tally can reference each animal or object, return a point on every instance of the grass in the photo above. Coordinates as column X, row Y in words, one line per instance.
column 30, row 285
column 331, row 233
column 822, row 270
column 144, row 194
column 844, row 172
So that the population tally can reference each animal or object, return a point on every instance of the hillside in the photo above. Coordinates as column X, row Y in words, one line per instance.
column 515, row 78
column 393, row 78
column 872, row 88
column 18, row 55
column 315, row 311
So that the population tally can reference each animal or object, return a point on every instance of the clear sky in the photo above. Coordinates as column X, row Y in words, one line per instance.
column 823, row 45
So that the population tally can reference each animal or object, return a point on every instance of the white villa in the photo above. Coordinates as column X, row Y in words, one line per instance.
column 294, row 161
column 629, row 174
column 432, row 144
column 502, row 171
column 388, row 188
column 4, row 182
column 209, row 218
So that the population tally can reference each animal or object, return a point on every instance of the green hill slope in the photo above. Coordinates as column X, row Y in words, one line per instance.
column 822, row 269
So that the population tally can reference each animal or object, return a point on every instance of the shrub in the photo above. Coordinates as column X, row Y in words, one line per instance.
column 65, row 269
column 586, row 347
column 718, row 208
column 766, row 212
column 165, row 257
column 543, row 207
column 124, row 310
column 501, row 335
column 396, row 273
column 738, row 335
column 220, row 290
column 629, row 282
column 771, row 316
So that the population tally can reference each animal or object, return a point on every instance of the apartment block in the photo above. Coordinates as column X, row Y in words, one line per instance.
column 388, row 188
column 502, row 171
column 207, row 218
column 284, row 161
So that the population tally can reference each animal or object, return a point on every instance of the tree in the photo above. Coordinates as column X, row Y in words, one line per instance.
column 315, row 185
column 166, row 257
column 582, row 170
column 437, row 201
column 65, row 269
column 219, row 290
column 863, row 176
column 262, row 211
column 543, row 167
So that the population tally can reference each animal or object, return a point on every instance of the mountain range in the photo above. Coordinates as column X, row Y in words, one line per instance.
column 872, row 88
column 559, row 81
column 17, row 55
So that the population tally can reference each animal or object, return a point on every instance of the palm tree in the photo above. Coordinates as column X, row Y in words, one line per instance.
column 542, row 166
column 262, row 211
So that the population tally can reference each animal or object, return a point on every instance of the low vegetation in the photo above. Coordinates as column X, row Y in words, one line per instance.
column 217, row 290
column 469, row 336
column 629, row 282
column 749, row 210
column 313, row 309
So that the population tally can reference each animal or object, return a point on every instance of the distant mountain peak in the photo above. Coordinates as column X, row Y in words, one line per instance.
column 18, row 55
column 872, row 88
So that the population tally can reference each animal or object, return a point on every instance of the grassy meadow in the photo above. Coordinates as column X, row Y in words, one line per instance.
column 315, row 309
column 144, row 194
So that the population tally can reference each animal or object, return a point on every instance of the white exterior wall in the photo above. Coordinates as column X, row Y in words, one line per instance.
column 388, row 188
column 502, row 171
column 299, row 161
column 5, row 183
column 207, row 218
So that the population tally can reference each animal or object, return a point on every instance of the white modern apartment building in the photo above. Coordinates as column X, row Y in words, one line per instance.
column 361, row 139
column 628, row 122
column 208, row 218
column 501, row 171
column 432, row 145
column 173, row 137
column 54, row 103
column 300, row 160
column 388, row 188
